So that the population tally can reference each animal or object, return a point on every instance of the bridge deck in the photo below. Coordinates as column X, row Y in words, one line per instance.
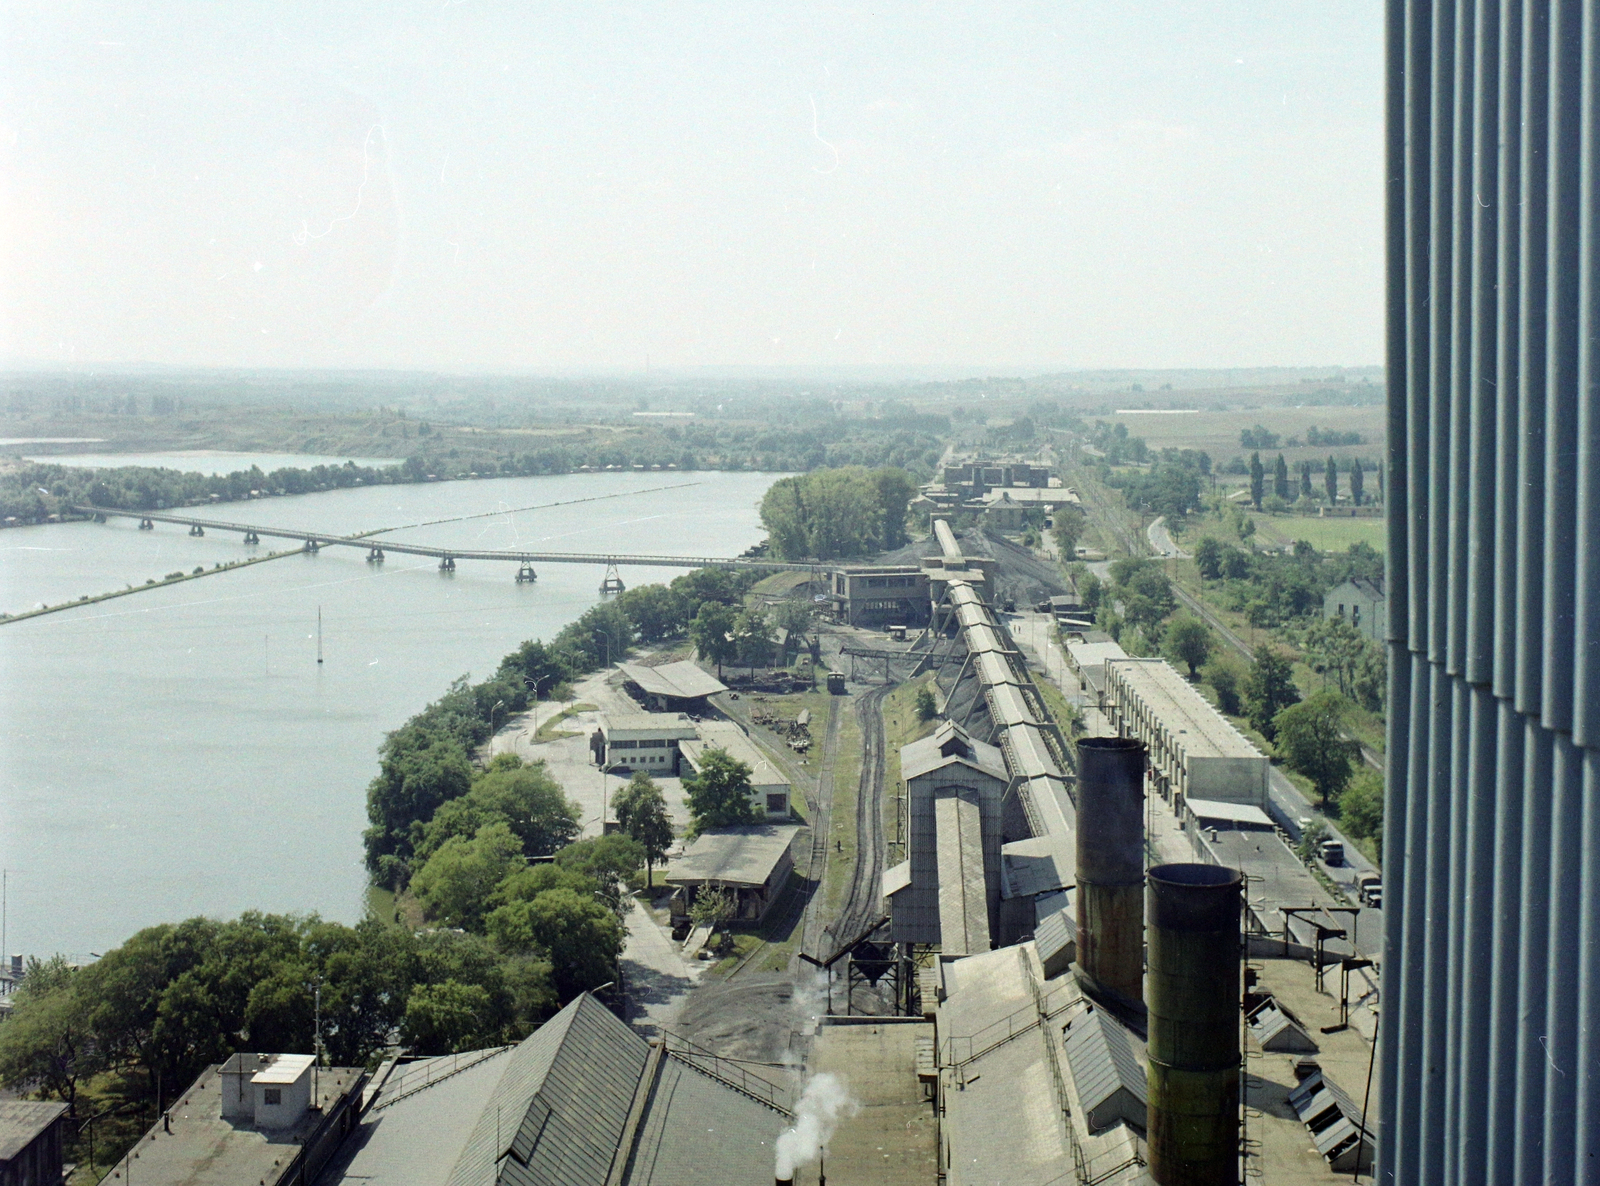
column 368, row 540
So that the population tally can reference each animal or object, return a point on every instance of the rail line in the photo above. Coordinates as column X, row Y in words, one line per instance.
column 863, row 903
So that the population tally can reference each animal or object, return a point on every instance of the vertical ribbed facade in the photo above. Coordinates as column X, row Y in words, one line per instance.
column 1490, row 1071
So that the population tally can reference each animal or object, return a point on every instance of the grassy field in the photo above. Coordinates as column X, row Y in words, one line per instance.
column 550, row 730
column 1326, row 535
column 1217, row 433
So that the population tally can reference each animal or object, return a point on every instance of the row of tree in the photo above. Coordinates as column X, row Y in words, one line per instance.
column 1287, row 491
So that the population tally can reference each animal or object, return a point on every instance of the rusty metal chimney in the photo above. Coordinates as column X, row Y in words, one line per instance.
column 1193, row 1005
column 1110, row 895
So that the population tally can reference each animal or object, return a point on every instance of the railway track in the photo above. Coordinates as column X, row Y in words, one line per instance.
column 862, row 905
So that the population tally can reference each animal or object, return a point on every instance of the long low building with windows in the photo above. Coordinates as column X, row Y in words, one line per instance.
column 1194, row 751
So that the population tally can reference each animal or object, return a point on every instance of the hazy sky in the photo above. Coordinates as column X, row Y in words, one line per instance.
column 465, row 184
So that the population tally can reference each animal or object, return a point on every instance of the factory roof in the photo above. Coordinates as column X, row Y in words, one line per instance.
column 683, row 680
column 950, row 743
column 745, row 855
column 1100, row 1055
column 963, row 889
column 21, row 1122
column 1034, row 866
column 674, row 723
column 1234, row 815
column 555, row 1110
column 1188, row 719
column 726, row 735
column 284, row 1068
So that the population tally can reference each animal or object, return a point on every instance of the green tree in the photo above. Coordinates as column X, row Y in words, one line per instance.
column 411, row 784
column 448, row 1018
column 656, row 611
column 642, row 812
column 752, row 638
column 1091, row 591
column 1066, row 529
column 522, row 796
column 1330, row 480
column 539, row 667
column 1280, row 479
column 1305, row 479
column 927, row 707
column 712, row 634
column 1208, row 558
column 1145, row 592
column 46, row 1045
column 1361, row 808
column 1223, row 676
column 455, row 884
column 580, row 937
column 713, row 905
column 1189, row 641
column 1268, row 690
column 1358, row 481
column 1258, row 481
column 896, row 489
column 1310, row 737
column 607, row 861
column 719, row 796
column 793, row 616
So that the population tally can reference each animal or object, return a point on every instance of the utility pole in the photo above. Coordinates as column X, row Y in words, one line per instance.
column 319, row 636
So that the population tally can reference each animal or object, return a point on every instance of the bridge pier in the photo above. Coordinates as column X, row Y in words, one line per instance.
column 147, row 525
column 312, row 546
column 251, row 537
column 526, row 573
column 447, row 564
column 612, row 582
column 375, row 556
column 197, row 530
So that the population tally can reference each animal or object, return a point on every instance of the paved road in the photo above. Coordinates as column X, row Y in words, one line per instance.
column 658, row 978
column 1161, row 541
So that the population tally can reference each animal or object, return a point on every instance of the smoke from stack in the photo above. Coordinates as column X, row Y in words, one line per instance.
column 824, row 1103
column 1110, row 897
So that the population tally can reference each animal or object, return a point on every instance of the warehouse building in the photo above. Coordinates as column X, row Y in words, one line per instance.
column 648, row 741
column 879, row 596
column 672, row 687
column 1194, row 751
column 753, row 862
column 769, row 789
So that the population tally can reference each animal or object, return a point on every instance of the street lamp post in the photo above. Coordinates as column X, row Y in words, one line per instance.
column 605, row 634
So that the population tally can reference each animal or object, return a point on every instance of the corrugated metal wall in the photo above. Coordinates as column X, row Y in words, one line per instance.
column 1492, row 997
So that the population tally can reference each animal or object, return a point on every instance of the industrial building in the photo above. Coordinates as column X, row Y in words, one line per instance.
column 272, row 1118
column 879, row 596
column 671, row 687
column 947, row 891
column 1194, row 751
column 769, row 789
column 976, row 477
column 753, row 861
column 647, row 741
column 32, row 1135
column 1490, row 1063
column 583, row 1101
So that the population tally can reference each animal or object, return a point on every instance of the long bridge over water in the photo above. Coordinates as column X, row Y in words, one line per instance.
column 315, row 541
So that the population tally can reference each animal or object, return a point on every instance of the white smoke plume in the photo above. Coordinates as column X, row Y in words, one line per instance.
column 825, row 1101
column 806, row 1007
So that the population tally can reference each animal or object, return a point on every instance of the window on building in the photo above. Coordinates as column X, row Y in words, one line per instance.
column 776, row 804
column 272, row 1095
column 1355, row 615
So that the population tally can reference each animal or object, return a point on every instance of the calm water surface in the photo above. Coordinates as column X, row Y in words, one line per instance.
column 207, row 461
column 180, row 752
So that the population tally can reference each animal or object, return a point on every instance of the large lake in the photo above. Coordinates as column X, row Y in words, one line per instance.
column 180, row 752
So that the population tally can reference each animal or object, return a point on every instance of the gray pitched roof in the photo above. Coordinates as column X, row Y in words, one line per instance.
column 1102, row 1063
column 557, row 1114
column 21, row 1122
column 696, row 1131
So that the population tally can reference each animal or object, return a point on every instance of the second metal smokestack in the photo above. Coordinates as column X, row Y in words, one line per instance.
column 1110, row 904
column 1194, row 1025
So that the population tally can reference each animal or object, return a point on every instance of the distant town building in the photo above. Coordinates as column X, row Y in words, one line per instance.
column 977, row 477
column 1004, row 513
column 1363, row 604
